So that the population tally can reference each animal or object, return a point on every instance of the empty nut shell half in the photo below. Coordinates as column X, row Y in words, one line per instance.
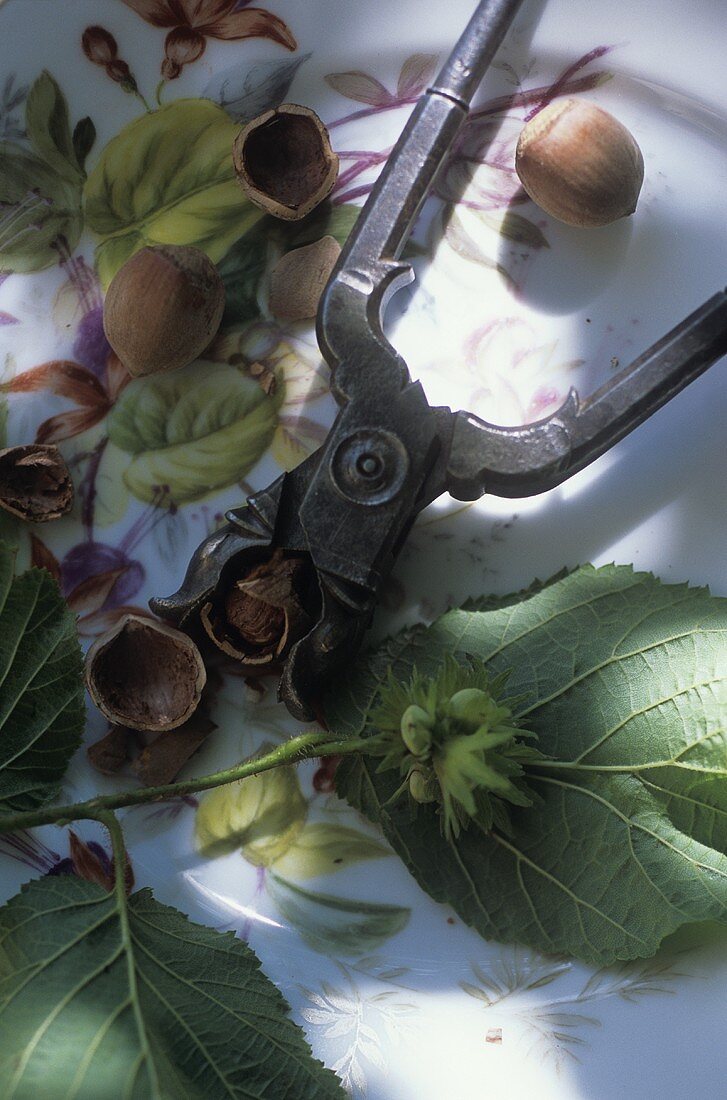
column 299, row 278
column 145, row 675
column 284, row 161
column 34, row 482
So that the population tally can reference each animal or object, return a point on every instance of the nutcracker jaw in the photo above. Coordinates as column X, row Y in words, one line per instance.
column 349, row 507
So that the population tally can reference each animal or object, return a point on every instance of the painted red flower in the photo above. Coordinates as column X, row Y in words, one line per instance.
column 192, row 22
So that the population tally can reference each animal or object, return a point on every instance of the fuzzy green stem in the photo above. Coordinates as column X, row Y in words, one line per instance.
column 158, row 91
column 292, row 751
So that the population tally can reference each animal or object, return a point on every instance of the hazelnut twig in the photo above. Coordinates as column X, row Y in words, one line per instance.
column 293, row 751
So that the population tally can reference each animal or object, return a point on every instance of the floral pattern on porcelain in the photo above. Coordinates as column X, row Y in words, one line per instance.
column 350, row 915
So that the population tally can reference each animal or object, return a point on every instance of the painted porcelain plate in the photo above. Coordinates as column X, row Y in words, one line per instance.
column 509, row 310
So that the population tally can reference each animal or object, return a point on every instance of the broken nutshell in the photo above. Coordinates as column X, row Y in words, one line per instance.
column 34, row 482
column 261, row 614
column 145, row 675
column 300, row 277
column 284, row 161
column 163, row 308
column 157, row 758
column 161, row 761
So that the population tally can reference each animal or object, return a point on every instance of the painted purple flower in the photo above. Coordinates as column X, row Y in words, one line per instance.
column 91, row 348
column 90, row 861
column 87, row 859
column 90, row 560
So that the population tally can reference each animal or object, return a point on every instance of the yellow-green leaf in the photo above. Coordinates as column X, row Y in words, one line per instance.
column 192, row 432
column 261, row 815
column 296, row 438
column 167, row 178
column 336, row 925
column 323, row 848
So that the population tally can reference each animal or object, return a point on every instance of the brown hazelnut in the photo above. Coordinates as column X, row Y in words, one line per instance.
column 163, row 308
column 145, row 675
column 299, row 278
column 284, row 161
column 264, row 612
column 579, row 163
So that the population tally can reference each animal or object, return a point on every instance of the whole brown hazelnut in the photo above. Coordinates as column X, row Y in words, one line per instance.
column 163, row 308
column 579, row 163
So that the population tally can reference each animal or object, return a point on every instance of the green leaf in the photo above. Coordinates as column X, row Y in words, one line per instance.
column 37, row 206
column 326, row 221
column 242, row 270
column 41, row 689
column 244, row 266
column 192, row 432
column 323, row 848
column 332, row 924
column 262, row 815
column 167, row 178
column 102, row 998
column 84, row 136
column 49, row 129
column 624, row 681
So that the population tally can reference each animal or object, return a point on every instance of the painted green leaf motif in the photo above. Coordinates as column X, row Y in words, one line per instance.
column 242, row 270
column 41, row 691
column 84, row 136
column 323, row 848
column 244, row 266
column 262, row 816
column 624, row 680
column 331, row 924
column 49, row 128
column 465, row 245
column 108, row 1001
column 192, row 432
column 167, row 178
column 37, row 206
column 326, row 221
column 514, row 227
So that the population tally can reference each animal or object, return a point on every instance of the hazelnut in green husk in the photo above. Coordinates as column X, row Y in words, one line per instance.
column 454, row 742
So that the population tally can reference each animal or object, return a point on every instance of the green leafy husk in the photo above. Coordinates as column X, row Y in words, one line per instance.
column 624, row 681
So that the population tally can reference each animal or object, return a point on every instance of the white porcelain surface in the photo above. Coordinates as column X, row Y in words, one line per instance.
column 505, row 337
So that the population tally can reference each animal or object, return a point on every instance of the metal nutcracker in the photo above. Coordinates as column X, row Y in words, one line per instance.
column 389, row 454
